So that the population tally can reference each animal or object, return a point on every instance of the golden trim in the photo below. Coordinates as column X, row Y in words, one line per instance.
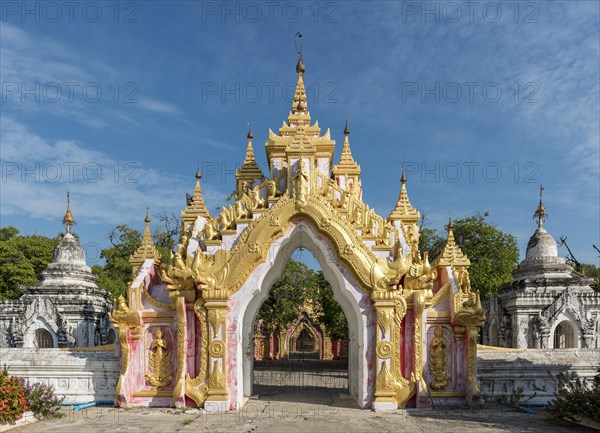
column 433, row 314
column 447, row 394
column 154, row 302
column 153, row 393
column 158, row 320
column 157, row 314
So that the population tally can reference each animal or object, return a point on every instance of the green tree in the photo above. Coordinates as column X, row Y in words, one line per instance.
column 115, row 275
column 332, row 316
column 22, row 258
column 297, row 284
column 287, row 295
column 591, row 271
column 493, row 253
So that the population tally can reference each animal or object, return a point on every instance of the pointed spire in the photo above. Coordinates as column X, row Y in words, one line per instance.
column 347, row 164
column 540, row 213
column 68, row 219
column 404, row 211
column 196, row 206
column 146, row 250
column 299, row 115
column 249, row 171
column 346, row 130
column 452, row 255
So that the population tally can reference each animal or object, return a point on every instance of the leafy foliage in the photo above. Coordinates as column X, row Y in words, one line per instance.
column 21, row 259
column 115, row 275
column 297, row 284
column 12, row 397
column 493, row 253
column 593, row 272
column 576, row 398
column 42, row 400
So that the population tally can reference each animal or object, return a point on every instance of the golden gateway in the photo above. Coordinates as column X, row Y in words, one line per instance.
column 413, row 325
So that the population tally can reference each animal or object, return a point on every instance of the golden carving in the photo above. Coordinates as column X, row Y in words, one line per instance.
column 438, row 360
column 216, row 318
column 123, row 317
column 300, row 184
column 384, row 349
column 216, row 381
column 385, row 380
column 159, row 362
column 367, row 245
column 195, row 388
column 216, row 349
column 181, row 337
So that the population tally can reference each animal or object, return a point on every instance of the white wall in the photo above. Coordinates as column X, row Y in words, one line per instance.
column 81, row 376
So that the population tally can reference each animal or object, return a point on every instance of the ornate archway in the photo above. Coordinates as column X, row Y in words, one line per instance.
column 206, row 296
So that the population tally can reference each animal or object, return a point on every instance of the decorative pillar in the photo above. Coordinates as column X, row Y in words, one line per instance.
column 181, row 323
column 216, row 309
column 390, row 386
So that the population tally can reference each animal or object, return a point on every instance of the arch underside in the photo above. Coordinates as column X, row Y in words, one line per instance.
column 220, row 291
column 355, row 303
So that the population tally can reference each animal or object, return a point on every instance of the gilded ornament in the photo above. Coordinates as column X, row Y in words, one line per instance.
column 254, row 248
column 216, row 381
column 159, row 362
column 300, row 184
column 438, row 360
column 384, row 349
column 216, row 349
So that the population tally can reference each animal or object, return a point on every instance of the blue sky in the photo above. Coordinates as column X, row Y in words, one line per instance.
column 117, row 102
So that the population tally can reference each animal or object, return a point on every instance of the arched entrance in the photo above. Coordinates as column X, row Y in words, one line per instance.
column 43, row 339
column 565, row 337
column 208, row 293
column 355, row 303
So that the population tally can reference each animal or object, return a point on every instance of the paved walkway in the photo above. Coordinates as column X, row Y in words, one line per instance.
column 285, row 410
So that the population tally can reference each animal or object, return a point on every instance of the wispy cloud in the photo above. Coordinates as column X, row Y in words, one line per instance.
column 37, row 172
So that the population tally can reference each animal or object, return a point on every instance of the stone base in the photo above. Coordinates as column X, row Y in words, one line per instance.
column 384, row 406
column 213, row 406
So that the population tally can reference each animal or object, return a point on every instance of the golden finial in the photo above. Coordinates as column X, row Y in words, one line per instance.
column 146, row 250
column 540, row 213
column 404, row 211
column 198, row 174
column 249, row 160
column 452, row 255
column 68, row 219
column 299, row 66
column 346, row 130
column 196, row 206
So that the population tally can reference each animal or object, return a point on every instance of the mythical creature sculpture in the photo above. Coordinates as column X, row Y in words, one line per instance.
column 421, row 274
column 209, row 231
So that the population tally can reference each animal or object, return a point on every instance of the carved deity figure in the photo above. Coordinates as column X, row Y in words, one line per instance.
column 438, row 360
column 159, row 361
column 300, row 183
